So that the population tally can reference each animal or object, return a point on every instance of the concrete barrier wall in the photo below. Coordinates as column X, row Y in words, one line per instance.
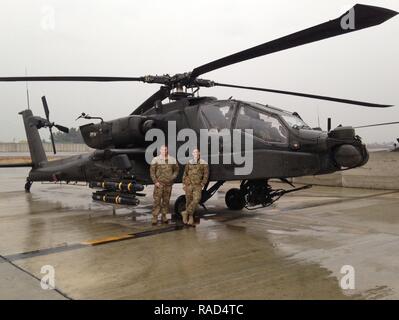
column 61, row 147
column 381, row 172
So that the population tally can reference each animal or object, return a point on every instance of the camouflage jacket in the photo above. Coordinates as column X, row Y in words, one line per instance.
column 196, row 173
column 164, row 170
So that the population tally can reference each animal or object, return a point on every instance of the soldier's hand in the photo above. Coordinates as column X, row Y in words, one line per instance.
column 157, row 184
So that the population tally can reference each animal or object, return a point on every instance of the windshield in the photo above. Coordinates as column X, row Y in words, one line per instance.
column 219, row 114
column 264, row 125
column 295, row 122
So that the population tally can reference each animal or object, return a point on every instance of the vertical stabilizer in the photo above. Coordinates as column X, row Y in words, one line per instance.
column 34, row 141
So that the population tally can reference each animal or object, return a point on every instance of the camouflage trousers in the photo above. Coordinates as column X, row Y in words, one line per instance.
column 161, row 201
column 193, row 198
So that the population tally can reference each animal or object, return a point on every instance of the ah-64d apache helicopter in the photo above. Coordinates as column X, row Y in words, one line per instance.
column 283, row 143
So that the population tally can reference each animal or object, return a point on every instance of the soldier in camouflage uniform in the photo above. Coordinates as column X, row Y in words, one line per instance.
column 196, row 174
column 163, row 170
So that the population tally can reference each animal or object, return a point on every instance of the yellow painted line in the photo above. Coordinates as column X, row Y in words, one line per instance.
column 107, row 240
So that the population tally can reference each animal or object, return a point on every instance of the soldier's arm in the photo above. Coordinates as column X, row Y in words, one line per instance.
column 205, row 176
column 153, row 169
column 175, row 171
column 185, row 174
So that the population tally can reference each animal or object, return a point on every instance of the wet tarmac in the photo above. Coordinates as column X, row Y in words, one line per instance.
column 294, row 249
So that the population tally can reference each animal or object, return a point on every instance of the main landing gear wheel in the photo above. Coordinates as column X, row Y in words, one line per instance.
column 235, row 199
column 180, row 206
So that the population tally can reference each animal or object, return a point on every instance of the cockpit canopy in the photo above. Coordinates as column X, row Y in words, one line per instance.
column 268, row 123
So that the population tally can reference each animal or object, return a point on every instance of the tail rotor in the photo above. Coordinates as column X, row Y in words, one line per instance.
column 50, row 124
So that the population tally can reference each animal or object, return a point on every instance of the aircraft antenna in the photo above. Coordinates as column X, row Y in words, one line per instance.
column 318, row 117
column 27, row 89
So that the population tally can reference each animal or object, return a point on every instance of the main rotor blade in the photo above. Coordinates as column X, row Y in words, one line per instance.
column 52, row 140
column 377, row 125
column 364, row 17
column 305, row 95
column 160, row 95
column 62, row 128
column 45, row 106
column 71, row 78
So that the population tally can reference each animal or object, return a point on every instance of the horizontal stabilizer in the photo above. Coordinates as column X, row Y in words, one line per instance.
column 16, row 165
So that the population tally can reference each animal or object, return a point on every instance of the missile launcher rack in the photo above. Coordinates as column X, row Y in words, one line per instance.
column 117, row 192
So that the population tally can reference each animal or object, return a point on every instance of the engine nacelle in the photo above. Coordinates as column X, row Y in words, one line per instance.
column 123, row 132
column 342, row 133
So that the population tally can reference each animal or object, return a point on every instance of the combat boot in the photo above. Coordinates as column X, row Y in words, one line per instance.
column 165, row 220
column 184, row 216
column 154, row 220
column 191, row 222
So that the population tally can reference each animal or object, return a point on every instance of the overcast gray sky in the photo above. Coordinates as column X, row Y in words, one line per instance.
column 135, row 38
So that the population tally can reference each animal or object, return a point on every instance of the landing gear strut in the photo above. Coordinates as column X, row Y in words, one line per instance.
column 254, row 194
column 28, row 184
column 180, row 203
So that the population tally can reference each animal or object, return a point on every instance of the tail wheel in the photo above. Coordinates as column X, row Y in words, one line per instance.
column 28, row 184
column 235, row 199
column 180, row 206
